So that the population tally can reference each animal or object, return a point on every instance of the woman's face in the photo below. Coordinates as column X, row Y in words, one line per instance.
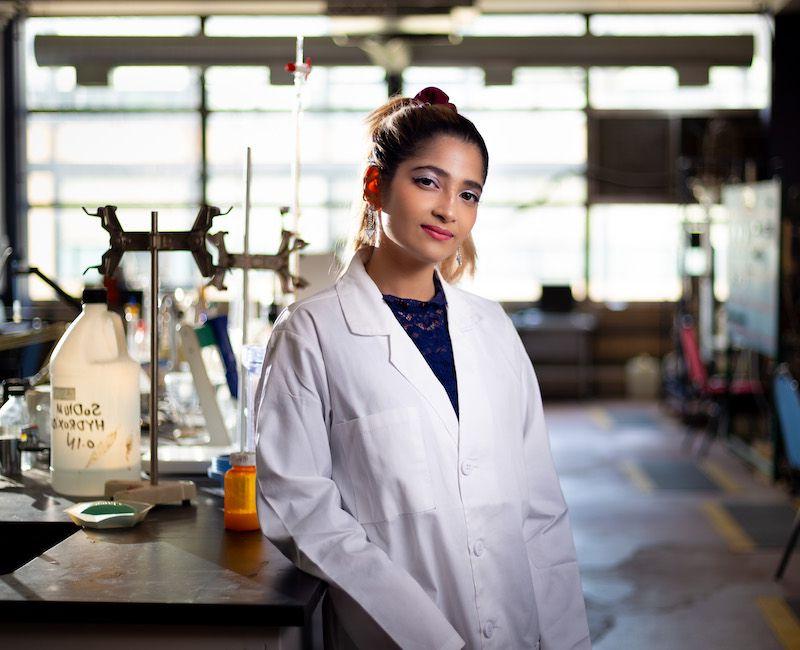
column 431, row 203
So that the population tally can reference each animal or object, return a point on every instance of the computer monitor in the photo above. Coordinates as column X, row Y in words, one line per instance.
column 556, row 297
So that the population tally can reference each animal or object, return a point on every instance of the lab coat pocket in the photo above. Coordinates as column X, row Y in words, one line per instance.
column 387, row 464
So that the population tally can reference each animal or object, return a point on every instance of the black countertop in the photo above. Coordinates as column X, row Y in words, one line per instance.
column 177, row 566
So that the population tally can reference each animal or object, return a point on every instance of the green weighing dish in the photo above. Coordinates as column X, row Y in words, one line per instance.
column 108, row 514
column 109, row 509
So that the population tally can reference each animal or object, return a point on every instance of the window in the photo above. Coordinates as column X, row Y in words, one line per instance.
column 634, row 248
column 634, row 252
column 657, row 88
column 134, row 144
column 530, row 227
column 138, row 143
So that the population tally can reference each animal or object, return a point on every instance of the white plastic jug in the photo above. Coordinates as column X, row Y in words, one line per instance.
column 94, row 403
column 642, row 377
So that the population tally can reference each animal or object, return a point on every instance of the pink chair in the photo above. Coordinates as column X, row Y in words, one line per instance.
column 722, row 397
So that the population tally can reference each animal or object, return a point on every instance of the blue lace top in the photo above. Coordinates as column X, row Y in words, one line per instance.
column 426, row 323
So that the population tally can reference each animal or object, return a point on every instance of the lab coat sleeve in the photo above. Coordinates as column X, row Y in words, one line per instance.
column 550, row 546
column 300, row 508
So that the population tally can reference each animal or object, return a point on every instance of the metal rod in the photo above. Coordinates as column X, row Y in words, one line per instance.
column 12, row 128
column 154, row 348
column 299, row 81
column 203, row 110
column 33, row 270
column 248, row 180
column 243, row 388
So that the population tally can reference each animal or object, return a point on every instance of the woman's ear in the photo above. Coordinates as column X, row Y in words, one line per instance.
column 372, row 191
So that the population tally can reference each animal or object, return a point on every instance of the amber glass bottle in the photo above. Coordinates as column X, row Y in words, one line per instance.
column 240, row 493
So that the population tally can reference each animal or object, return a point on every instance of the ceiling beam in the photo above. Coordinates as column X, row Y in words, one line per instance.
column 41, row 8
column 94, row 56
column 629, row 6
column 88, row 8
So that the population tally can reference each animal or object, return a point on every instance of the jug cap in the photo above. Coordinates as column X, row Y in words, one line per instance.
column 95, row 296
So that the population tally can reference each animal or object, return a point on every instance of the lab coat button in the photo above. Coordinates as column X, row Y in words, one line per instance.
column 488, row 630
column 478, row 548
column 466, row 467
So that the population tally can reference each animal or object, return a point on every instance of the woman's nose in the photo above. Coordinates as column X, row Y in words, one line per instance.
column 445, row 209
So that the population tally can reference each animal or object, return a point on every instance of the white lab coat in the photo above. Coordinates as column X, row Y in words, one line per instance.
column 431, row 531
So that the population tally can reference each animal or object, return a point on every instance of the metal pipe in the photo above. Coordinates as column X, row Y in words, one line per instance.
column 203, row 110
column 75, row 303
column 244, row 389
column 248, row 181
column 154, row 348
column 299, row 81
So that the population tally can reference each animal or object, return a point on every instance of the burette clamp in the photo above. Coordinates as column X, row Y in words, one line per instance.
column 303, row 69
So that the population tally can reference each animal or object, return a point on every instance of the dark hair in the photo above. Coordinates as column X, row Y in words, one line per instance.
column 397, row 131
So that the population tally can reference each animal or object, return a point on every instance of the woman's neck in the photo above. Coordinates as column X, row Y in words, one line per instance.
column 396, row 275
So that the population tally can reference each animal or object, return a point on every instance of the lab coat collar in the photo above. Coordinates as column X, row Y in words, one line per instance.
column 367, row 314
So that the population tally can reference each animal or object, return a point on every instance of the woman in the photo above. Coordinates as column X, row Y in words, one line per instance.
column 402, row 453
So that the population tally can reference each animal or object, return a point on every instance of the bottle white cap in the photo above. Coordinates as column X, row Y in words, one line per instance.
column 243, row 459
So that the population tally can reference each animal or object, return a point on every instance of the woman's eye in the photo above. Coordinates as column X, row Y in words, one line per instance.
column 470, row 196
column 427, row 182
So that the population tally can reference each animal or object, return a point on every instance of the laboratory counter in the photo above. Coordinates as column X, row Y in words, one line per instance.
column 177, row 579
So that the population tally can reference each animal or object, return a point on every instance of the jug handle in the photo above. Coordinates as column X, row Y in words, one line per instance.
column 119, row 334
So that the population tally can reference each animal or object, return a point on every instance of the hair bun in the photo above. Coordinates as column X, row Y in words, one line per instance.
column 434, row 95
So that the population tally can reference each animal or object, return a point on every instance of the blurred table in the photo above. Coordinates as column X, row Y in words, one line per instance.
column 560, row 347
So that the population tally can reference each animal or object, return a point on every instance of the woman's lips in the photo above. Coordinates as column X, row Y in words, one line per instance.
column 437, row 233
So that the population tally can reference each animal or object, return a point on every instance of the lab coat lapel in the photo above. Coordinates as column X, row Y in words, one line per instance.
column 367, row 314
column 404, row 355
column 462, row 318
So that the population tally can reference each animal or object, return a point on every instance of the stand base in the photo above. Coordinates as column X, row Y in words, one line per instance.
column 163, row 493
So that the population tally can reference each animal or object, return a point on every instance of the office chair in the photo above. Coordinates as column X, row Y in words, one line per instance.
column 787, row 404
column 714, row 391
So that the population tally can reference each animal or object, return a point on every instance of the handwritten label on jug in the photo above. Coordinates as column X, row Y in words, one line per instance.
column 78, row 420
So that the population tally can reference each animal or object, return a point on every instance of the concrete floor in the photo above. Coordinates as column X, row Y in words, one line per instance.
column 662, row 569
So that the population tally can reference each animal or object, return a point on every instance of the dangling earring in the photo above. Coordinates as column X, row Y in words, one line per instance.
column 369, row 231
column 458, row 256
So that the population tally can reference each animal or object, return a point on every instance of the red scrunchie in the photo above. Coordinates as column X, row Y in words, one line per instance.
column 434, row 95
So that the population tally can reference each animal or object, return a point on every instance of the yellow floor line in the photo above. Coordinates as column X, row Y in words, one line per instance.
column 738, row 540
column 764, row 480
column 720, row 477
column 782, row 620
column 601, row 418
column 637, row 476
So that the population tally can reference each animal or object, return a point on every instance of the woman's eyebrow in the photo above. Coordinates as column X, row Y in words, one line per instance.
column 473, row 184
